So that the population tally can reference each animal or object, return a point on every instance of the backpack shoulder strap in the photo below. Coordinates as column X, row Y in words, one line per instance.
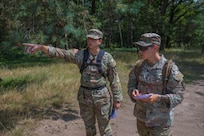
column 166, row 71
column 85, row 58
column 138, row 67
column 98, row 61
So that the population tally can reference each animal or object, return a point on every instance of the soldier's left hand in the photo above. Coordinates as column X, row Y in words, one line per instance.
column 153, row 98
column 117, row 105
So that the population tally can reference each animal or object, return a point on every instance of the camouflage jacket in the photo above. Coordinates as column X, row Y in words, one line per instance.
column 91, row 77
column 150, row 81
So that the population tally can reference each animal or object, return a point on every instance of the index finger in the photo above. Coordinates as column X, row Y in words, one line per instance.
column 28, row 44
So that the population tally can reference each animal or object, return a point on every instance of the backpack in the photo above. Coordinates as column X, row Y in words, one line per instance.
column 98, row 61
column 165, row 72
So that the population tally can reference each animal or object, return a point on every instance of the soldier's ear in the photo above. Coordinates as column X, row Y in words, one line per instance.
column 156, row 46
column 100, row 41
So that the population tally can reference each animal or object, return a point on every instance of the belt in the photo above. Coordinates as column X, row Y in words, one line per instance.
column 94, row 88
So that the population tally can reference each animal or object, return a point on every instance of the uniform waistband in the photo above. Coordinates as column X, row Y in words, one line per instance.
column 152, row 126
column 94, row 88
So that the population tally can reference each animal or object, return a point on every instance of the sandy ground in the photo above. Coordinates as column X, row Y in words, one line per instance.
column 189, row 118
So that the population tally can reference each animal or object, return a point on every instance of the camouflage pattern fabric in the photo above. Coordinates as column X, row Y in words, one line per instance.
column 94, row 102
column 150, row 81
column 144, row 130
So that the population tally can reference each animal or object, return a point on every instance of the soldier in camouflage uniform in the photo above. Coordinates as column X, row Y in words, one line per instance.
column 95, row 100
column 154, row 112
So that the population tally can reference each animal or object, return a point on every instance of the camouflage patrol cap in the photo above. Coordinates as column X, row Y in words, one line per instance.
column 148, row 39
column 94, row 34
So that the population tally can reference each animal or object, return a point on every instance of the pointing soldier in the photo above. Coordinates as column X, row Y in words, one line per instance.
column 156, row 86
column 97, row 67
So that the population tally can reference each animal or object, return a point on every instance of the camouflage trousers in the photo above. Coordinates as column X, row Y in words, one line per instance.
column 95, row 105
column 144, row 130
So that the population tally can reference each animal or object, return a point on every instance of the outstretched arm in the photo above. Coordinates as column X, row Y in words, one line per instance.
column 33, row 48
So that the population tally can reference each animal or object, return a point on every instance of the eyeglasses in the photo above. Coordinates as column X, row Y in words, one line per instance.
column 141, row 48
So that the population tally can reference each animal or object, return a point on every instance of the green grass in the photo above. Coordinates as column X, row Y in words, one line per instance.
column 191, row 63
column 32, row 86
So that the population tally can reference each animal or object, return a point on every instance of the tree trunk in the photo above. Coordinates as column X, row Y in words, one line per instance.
column 168, row 39
column 121, row 36
column 164, row 7
column 93, row 7
column 129, row 33
column 66, row 38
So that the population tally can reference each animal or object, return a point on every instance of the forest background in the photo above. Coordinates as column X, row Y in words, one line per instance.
column 64, row 23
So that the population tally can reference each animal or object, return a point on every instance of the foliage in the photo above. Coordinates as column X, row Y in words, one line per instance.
column 64, row 23
column 198, row 38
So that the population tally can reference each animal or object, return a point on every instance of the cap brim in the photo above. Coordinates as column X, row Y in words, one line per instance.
column 143, row 44
column 93, row 37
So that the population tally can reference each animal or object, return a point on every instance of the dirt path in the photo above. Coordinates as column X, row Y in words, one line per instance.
column 189, row 118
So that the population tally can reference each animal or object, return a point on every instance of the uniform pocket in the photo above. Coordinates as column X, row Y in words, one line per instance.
column 84, row 96
column 140, row 111
column 101, row 97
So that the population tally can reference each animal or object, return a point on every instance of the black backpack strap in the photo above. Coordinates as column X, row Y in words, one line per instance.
column 85, row 58
column 98, row 61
